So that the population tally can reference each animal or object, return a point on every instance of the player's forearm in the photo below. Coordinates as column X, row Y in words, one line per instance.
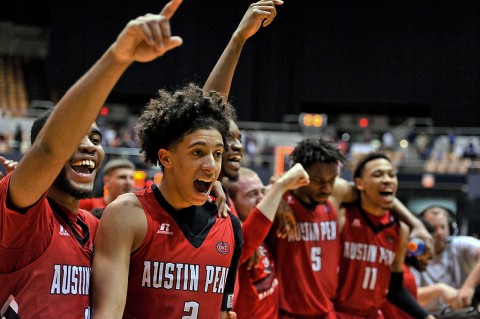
column 269, row 204
column 78, row 109
column 427, row 294
column 473, row 279
column 405, row 215
column 220, row 79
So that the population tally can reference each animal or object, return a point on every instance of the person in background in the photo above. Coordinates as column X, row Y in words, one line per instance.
column 258, row 286
column 259, row 14
column 315, row 208
column 373, row 246
column 117, row 180
column 456, row 261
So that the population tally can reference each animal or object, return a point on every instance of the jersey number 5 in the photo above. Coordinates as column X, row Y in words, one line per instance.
column 316, row 258
column 192, row 308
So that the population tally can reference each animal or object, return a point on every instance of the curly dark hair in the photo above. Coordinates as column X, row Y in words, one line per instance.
column 171, row 116
column 311, row 151
column 367, row 158
column 38, row 124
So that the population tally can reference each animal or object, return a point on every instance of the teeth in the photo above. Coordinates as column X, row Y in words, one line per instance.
column 205, row 180
column 88, row 163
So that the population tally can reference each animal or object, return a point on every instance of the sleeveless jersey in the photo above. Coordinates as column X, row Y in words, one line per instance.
column 257, row 296
column 55, row 285
column 307, row 263
column 390, row 311
column 365, row 266
column 168, row 276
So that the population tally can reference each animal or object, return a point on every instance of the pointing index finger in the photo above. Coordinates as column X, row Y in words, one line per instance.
column 169, row 10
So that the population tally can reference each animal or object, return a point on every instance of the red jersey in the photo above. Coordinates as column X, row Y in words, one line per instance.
column 307, row 263
column 390, row 311
column 257, row 296
column 92, row 203
column 45, row 261
column 368, row 251
column 171, row 278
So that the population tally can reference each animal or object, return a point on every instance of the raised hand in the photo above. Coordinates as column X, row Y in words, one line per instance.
column 147, row 37
column 294, row 178
column 260, row 13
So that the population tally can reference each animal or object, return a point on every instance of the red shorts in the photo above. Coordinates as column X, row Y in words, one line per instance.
column 285, row 315
column 343, row 315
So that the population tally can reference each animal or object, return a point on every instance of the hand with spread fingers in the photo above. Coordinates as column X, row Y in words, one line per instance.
column 147, row 37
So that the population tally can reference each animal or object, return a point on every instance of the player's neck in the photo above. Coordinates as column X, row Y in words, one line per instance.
column 372, row 209
column 170, row 193
column 69, row 202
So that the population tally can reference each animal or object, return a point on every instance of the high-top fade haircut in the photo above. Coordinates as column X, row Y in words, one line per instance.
column 38, row 124
column 311, row 151
column 170, row 117
column 368, row 158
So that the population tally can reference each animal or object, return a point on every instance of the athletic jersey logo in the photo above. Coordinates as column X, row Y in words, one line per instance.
column 223, row 247
column 9, row 309
column 63, row 232
column 356, row 223
column 164, row 229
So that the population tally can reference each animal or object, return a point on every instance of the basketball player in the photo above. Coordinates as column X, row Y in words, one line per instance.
column 258, row 286
column 373, row 246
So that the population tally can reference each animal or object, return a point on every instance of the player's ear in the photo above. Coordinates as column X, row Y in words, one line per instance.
column 164, row 158
column 359, row 184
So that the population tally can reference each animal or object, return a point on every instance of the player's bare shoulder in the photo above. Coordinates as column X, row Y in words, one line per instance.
column 125, row 214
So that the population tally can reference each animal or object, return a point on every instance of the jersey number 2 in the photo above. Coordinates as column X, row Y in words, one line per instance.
column 192, row 308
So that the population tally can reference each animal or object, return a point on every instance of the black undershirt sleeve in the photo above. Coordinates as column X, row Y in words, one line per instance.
column 227, row 303
column 400, row 297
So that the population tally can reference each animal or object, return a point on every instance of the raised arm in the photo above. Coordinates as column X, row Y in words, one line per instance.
column 258, row 14
column 143, row 39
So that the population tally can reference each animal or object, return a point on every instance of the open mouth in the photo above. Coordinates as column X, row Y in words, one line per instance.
column 387, row 194
column 84, row 166
column 234, row 160
column 202, row 186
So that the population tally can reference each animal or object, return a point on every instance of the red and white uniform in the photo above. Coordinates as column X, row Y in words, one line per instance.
column 369, row 245
column 169, row 277
column 258, row 293
column 307, row 263
column 42, row 264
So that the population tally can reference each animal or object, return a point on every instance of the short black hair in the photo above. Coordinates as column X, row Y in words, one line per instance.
column 38, row 124
column 171, row 116
column 368, row 158
column 311, row 151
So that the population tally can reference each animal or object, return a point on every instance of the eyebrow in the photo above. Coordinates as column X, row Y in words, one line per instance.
column 202, row 143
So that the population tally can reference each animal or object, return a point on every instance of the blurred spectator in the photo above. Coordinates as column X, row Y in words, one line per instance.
column 18, row 138
column 388, row 141
column 456, row 261
column 118, row 180
column 470, row 151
